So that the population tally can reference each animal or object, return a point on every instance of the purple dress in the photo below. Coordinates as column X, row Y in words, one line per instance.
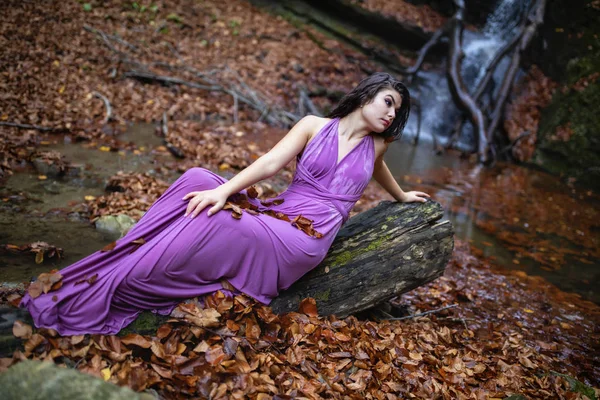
column 184, row 258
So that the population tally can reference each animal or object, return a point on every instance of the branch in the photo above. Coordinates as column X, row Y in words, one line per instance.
column 305, row 100
column 108, row 116
column 457, row 87
column 243, row 94
column 423, row 313
column 36, row 127
column 536, row 19
column 235, row 109
column 435, row 39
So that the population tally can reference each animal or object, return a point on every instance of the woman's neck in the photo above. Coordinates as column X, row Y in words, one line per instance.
column 353, row 126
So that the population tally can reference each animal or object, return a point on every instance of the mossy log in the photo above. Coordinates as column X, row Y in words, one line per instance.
column 379, row 254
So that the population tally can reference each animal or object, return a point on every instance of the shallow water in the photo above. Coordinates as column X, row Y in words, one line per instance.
column 532, row 221
column 34, row 209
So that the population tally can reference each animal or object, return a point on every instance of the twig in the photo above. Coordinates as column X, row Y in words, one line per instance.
column 435, row 39
column 163, row 126
column 235, row 109
column 515, row 142
column 418, row 111
column 169, row 79
column 305, row 99
column 116, row 38
column 108, row 116
column 36, row 127
column 105, row 38
column 424, row 313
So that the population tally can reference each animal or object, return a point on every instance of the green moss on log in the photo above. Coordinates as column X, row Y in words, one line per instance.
column 348, row 255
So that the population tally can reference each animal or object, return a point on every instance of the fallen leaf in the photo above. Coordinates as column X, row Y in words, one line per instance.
column 136, row 340
column 109, row 247
column 22, row 330
column 105, row 374
column 308, row 306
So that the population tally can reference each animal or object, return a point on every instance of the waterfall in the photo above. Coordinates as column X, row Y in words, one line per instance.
column 438, row 113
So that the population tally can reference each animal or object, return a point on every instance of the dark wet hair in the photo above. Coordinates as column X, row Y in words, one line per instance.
column 365, row 92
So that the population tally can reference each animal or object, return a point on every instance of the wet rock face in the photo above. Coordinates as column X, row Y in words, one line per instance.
column 568, row 50
column 569, row 136
column 43, row 380
column 568, row 43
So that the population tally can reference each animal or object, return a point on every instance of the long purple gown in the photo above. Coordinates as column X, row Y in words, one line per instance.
column 184, row 258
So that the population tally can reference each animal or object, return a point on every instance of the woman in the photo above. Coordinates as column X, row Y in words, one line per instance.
column 190, row 247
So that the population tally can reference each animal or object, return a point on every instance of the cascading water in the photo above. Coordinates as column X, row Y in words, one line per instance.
column 438, row 112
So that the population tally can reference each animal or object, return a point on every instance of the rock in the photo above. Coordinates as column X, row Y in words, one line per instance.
column 569, row 137
column 115, row 226
column 75, row 170
column 567, row 50
column 43, row 167
column 53, row 187
column 33, row 380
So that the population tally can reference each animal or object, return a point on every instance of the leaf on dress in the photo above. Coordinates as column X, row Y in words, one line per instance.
column 109, row 247
column 252, row 192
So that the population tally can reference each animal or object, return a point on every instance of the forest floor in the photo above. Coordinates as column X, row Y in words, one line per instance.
column 509, row 333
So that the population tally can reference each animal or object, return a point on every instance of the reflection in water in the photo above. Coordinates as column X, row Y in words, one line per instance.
column 525, row 219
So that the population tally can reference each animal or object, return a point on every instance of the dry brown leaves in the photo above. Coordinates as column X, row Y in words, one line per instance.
column 50, row 82
column 131, row 194
column 422, row 16
column 523, row 114
column 45, row 283
column 238, row 203
column 42, row 250
column 562, row 133
column 505, row 338
column 585, row 81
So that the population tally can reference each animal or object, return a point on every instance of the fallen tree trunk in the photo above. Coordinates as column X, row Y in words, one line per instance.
column 379, row 254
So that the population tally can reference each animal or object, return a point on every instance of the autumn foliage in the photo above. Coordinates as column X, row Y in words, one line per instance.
column 502, row 339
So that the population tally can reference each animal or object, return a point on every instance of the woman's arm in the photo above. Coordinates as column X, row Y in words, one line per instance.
column 264, row 167
column 383, row 176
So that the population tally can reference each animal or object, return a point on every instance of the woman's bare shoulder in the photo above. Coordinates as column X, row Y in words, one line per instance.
column 313, row 124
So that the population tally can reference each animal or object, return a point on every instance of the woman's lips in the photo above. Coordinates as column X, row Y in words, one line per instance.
column 386, row 123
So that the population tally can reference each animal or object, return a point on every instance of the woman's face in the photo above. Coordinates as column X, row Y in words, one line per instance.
column 382, row 110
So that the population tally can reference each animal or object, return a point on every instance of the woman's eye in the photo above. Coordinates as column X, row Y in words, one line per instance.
column 388, row 102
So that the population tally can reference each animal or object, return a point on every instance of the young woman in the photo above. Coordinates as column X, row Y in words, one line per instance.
column 191, row 246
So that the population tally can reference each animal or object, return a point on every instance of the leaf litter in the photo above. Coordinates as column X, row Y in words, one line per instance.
column 511, row 334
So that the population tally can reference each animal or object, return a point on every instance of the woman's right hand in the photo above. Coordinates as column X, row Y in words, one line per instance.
column 198, row 201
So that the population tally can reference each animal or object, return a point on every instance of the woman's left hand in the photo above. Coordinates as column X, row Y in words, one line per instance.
column 414, row 196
